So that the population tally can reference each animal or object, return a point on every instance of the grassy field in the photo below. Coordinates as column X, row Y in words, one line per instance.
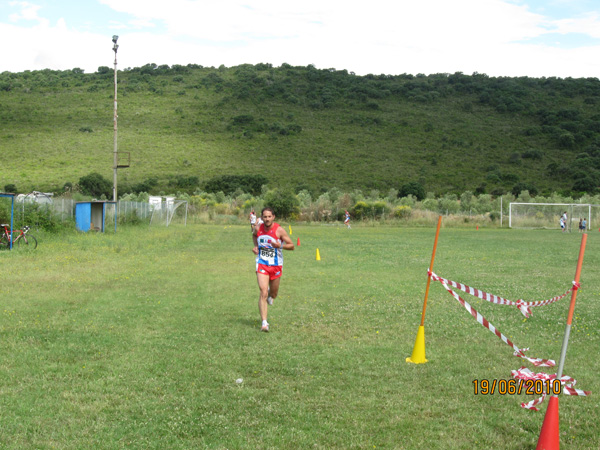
column 136, row 340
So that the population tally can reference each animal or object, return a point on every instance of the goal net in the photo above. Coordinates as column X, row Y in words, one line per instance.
column 547, row 215
column 169, row 212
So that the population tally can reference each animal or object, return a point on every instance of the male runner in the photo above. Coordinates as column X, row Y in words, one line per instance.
column 252, row 220
column 347, row 219
column 269, row 241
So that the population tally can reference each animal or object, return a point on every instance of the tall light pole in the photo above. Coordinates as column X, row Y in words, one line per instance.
column 115, row 154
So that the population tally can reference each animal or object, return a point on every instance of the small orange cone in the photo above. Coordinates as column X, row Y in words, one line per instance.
column 477, row 227
column 549, row 439
column 298, row 244
column 318, row 255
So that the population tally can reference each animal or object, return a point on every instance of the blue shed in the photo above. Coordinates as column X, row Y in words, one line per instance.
column 92, row 215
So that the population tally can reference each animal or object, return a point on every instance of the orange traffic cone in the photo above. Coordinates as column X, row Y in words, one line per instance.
column 477, row 227
column 298, row 244
column 549, row 439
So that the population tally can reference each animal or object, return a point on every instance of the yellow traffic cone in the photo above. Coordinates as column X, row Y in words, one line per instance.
column 290, row 229
column 318, row 255
column 418, row 354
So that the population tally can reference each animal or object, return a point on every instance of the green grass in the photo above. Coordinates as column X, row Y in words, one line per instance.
column 135, row 340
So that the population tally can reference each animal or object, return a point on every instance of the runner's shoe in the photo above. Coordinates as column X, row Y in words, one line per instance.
column 269, row 300
column 265, row 326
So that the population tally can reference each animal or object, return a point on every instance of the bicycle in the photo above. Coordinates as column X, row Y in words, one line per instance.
column 22, row 239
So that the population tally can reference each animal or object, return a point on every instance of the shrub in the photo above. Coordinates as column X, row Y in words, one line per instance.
column 144, row 186
column 380, row 208
column 360, row 209
column 519, row 187
column 129, row 218
column 284, row 202
column 242, row 119
column 185, row 182
column 413, row 188
column 585, row 184
column 95, row 185
column 40, row 217
column 403, row 212
column 533, row 154
column 228, row 184
column 431, row 204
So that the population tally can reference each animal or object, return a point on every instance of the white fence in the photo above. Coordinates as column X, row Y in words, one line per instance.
column 64, row 210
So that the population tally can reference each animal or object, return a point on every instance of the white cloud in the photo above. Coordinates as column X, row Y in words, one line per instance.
column 587, row 24
column 381, row 36
column 28, row 12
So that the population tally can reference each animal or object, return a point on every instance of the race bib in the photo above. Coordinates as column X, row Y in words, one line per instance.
column 267, row 254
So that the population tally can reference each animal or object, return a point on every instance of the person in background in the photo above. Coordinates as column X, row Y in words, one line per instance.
column 347, row 219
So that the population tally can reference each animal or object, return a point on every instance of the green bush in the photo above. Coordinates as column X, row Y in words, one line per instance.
column 494, row 216
column 228, row 184
column 284, row 202
column 129, row 218
column 519, row 187
column 39, row 217
column 95, row 185
column 403, row 212
column 379, row 209
column 413, row 188
column 361, row 209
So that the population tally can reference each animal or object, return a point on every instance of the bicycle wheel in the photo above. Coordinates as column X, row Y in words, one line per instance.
column 27, row 240
column 3, row 242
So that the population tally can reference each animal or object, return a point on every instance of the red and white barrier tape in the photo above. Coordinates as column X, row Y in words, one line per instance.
column 482, row 320
column 524, row 307
column 567, row 385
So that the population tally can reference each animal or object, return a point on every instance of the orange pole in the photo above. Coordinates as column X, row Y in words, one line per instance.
column 437, row 234
column 577, row 275
column 550, row 434
column 563, row 352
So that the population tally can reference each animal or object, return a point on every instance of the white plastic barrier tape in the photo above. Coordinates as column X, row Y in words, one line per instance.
column 482, row 321
column 547, row 384
column 524, row 307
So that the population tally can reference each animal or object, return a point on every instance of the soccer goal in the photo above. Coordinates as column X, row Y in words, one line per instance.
column 167, row 211
column 547, row 215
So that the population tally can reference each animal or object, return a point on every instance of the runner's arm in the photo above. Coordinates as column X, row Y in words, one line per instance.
column 286, row 241
column 255, row 241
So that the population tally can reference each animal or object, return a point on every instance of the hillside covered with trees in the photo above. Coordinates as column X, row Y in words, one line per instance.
column 189, row 127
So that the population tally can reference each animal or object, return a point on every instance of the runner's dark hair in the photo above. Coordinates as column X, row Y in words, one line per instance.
column 267, row 208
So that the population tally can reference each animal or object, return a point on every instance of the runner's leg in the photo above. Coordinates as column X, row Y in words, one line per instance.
column 274, row 287
column 263, row 285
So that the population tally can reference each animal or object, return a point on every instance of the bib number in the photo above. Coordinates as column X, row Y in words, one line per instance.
column 267, row 253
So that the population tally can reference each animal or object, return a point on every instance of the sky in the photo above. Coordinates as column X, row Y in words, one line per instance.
column 536, row 38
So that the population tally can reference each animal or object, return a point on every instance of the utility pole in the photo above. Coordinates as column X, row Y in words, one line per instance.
column 115, row 154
